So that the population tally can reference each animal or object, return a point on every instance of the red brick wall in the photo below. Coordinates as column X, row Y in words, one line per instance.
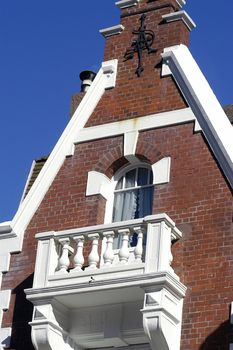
column 133, row 96
column 197, row 197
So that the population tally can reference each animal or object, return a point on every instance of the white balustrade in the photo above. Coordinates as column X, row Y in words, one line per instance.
column 64, row 261
column 93, row 257
column 109, row 253
column 124, row 251
column 142, row 244
column 139, row 247
column 78, row 258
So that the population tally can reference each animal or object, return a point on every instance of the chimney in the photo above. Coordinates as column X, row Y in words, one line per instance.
column 87, row 77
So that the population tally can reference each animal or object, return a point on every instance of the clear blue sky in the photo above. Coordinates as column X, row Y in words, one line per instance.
column 45, row 44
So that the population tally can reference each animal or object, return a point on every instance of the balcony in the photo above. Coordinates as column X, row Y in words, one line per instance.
column 89, row 280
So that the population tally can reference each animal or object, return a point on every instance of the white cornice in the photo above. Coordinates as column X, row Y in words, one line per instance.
column 107, row 32
column 216, row 127
column 126, row 3
column 180, row 16
column 181, row 3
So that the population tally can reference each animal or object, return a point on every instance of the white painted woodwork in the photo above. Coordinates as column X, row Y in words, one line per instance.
column 53, row 268
column 109, row 253
column 139, row 247
column 180, row 16
column 78, row 258
column 93, row 257
column 126, row 3
column 110, row 31
column 216, row 127
column 124, row 251
column 64, row 262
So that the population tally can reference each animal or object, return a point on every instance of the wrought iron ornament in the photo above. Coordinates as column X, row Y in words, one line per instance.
column 144, row 41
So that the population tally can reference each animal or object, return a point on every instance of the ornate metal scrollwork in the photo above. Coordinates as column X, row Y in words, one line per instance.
column 144, row 41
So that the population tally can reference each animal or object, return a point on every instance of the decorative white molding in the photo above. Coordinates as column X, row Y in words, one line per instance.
column 5, row 337
column 208, row 111
column 180, row 16
column 110, row 31
column 153, row 121
column 130, row 144
column 162, row 315
column 161, row 171
column 47, row 334
column 181, row 3
column 126, row 3
column 97, row 183
column 5, row 227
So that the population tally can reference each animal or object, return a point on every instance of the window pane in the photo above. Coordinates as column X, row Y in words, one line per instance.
column 144, row 201
column 142, row 176
column 119, row 184
column 130, row 178
column 125, row 206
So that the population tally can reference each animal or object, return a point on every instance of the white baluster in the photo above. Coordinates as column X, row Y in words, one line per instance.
column 109, row 254
column 139, row 247
column 78, row 258
column 124, row 251
column 64, row 261
column 93, row 257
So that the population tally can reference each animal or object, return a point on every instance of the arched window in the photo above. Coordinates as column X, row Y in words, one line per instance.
column 133, row 194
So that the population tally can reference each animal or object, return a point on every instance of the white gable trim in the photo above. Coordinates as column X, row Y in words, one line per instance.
column 105, row 79
column 216, row 127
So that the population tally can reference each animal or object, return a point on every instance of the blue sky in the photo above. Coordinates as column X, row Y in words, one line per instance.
column 45, row 44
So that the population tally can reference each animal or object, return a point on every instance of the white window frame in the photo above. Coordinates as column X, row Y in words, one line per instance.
column 114, row 181
column 98, row 183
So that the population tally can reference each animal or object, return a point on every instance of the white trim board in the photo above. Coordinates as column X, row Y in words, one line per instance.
column 218, row 131
column 148, row 122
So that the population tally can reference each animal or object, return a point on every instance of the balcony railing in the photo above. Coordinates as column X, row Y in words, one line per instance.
column 129, row 247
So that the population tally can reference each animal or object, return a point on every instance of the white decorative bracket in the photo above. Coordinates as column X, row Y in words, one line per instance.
column 161, row 171
column 97, row 183
column 130, row 144
column 162, row 313
column 109, row 68
column 47, row 334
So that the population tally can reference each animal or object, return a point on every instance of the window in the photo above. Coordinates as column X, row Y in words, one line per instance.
column 133, row 194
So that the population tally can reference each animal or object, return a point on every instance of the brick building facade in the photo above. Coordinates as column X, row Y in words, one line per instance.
column 147, row 143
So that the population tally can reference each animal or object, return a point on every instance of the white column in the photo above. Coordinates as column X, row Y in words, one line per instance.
column 124, row 251
column 64, row 261
column 93, row 257
column 109, row 254
column 78, row 258
column 139, row 247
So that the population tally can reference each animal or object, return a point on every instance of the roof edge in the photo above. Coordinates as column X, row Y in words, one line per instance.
column 179, row 62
